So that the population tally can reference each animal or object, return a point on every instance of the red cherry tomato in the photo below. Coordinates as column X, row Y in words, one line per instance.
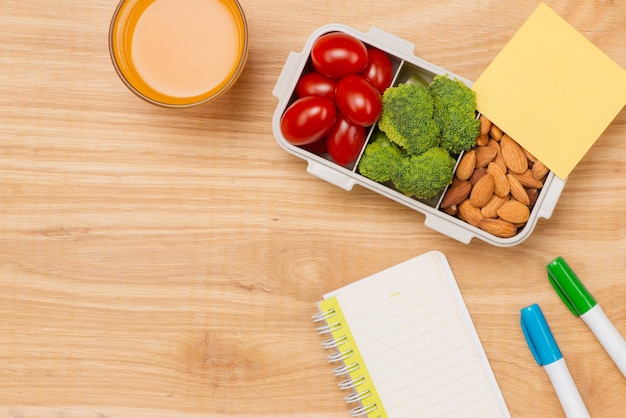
column 358, row 100
column 316, row 84
column 379, row 70
column 308, row 119
column 317, row 147
column 338, row 54
column 344, row 141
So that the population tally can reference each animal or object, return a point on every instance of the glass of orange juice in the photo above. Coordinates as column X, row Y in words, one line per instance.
column 178, row 53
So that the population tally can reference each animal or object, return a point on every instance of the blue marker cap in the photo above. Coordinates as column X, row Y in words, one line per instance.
column 538, row 336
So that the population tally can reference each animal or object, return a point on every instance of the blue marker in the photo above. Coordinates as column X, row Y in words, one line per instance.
column 547, row 354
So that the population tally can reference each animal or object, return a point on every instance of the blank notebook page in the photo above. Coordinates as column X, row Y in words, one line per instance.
column 409, row 326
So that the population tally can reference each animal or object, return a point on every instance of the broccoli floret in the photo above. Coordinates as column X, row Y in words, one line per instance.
column 421, row 127
column 425, row 175
column 454, row 113
column 380, row 158
column 407, row 118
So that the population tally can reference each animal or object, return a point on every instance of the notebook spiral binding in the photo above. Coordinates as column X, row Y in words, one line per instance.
column 346, row 368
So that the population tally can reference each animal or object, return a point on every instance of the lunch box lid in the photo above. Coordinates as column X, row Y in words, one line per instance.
column 551, row 90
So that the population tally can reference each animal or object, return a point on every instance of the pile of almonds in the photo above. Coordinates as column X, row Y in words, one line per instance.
column 496, row 183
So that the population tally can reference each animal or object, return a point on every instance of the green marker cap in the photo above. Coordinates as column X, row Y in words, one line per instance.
column 569, row 287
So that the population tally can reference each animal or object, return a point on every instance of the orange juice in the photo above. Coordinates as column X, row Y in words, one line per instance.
column 178, row 52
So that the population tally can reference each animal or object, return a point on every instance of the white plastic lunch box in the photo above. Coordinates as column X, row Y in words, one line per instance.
column 405, row 64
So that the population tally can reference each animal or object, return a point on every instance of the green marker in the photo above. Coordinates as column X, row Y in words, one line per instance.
column 578, row 299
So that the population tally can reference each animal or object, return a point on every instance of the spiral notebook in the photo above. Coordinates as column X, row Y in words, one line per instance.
column 406, row 346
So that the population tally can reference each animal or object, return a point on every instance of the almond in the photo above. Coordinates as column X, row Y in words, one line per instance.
column 514, row 211
column 498, row 227
column 517, row 190
column 452, row 210
column 457, row 192
column 528, row 180
column 485, row 125
column 482, row 140
column 477, row 175
column 499, row 160
column 495, row 132
column 513, row 155
column 533, row 195
column 482, row 191
column 470, row 213
column 539, row 170
column 490, row 210
column 466, row 166
column 485, row 155
column 530, row 156
column 502, row 187
column 494, row 144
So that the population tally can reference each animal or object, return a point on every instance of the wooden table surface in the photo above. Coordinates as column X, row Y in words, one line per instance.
column 166, row 263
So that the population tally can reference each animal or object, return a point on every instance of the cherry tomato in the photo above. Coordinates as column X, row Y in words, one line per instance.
column 308, row 119
column 318, row 147
column 358, row 100
column 338, row 54
column 316, row 84
column 344, row 141
column 379, row 70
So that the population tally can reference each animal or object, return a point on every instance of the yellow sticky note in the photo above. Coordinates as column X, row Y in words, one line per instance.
column 552, row 90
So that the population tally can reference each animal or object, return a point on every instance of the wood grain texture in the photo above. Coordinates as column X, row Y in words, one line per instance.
column 165, row 263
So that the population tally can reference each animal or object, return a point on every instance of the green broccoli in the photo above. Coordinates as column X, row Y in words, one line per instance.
column 380, row 158
column 407, row 118
column 425, row 175
column 455, row 113
column 421, row 127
